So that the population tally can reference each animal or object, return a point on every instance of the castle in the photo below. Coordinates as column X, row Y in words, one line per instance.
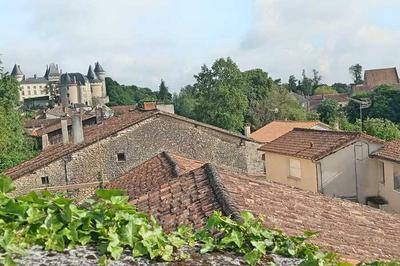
column 68, row 89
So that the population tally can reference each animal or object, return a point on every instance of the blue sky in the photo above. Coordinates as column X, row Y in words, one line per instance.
column 141, row 42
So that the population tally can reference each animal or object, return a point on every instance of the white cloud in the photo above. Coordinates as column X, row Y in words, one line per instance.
column 141, row 42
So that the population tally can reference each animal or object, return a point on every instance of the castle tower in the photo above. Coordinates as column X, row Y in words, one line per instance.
column 96, row 84
column 17, row 73
column 100, row 96
column 101, row 75
column 68, row 90
column 52, row 73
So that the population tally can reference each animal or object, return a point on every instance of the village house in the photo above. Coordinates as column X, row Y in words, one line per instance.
column 107, row 150
column 277, row 128
column 178, row 190
column 388, row 177
column 334, row 163
column 315, row 100
column 376, row 77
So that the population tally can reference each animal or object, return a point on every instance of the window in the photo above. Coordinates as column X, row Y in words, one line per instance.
column 381, row 172
column 396, row 182
column 34, row 87
column 45, row 180
column 29, row 92
column 34, row 92
column 22, row 92
column 294, row 168
column 121, row 157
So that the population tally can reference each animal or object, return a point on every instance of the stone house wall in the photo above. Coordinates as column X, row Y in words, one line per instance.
column 139, row 143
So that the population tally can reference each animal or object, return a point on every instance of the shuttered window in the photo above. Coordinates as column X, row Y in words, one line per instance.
column 294, row 168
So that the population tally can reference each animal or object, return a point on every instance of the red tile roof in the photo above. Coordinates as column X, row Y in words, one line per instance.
column 125, row 117
column 277, row 128
column 353, row 230
column 313, row 144
column 316, row 100
column 390, row 151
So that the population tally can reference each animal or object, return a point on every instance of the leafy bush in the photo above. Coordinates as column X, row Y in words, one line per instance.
column 111, row 224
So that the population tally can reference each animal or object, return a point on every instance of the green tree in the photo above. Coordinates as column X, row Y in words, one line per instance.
column 306, row 84
column 277, row 105
column 328, row 111
column 15, row 146
column 163, row 93
column 127, row 95
column 292, row 83
column 381, row 128
column 356, row 72
column 185, row 102
column 316, row 79
column 221, row 95
column 324, row 89
column 258, row 83
column 341, row 87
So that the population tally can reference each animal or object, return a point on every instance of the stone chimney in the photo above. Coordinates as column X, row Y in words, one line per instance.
column 77, row 128
column 64, row 130
column 166, row 107
column 149, row 106
column 45, row 141
column 247, row 131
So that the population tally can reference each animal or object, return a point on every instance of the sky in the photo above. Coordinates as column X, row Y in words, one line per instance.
column 141, row 42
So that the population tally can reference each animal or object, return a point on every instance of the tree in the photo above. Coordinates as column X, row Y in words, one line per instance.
column 292, row 83
column 221, row 95
column 316, row 79
column 341, row 87
column 163, row 93
column 127, row 95
column 258, row 83
column 306, row 84
column 278, row 104
column 185, row 102
column 328, row 111
column 324, row 89
column 356, row 72
column 15, row 146
column 381, row 128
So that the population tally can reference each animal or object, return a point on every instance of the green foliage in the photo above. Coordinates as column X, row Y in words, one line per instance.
column 328, row 111
column 127, row 95
column 324, row 89
column 185, row 102
column 341, row 87
column 250, row 238
column 221, row 95
column 277, row 105
column 15, row 146
column 113, row 225
column 381, row 128
column 292, row 83
column 356, row 71
column 163, row 93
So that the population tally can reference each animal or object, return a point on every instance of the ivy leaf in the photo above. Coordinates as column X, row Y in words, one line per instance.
column 6, row 184
column 252, row 257
column 259, row 245
column 107, row 194
column 235, row 237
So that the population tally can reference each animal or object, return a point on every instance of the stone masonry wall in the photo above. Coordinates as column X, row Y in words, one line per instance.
column 139, row 143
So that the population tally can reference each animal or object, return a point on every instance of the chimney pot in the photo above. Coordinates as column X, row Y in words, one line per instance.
column 45, row 141
column 77, row 128
column 64, row 130
column 247, row 131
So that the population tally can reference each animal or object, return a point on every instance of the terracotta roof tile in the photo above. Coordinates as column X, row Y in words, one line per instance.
column 353, row 230
column 313, row 144
column 390, row 151
column 277, row 128
column 316, row 100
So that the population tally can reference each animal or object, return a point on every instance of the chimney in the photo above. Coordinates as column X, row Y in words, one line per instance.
column 34, row 76
column 166, row 107
column 45, row 141
column 149, row 106
column 64, row 130
column 247, row 131
column 99, row 115
column 77, row 128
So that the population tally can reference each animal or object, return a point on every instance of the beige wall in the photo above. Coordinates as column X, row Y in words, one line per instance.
column 387, row 190
column 277, row 167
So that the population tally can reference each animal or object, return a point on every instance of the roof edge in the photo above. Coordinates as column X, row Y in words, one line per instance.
column 171, row 161
column 223, row 198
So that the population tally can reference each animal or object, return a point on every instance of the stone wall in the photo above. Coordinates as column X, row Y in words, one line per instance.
column 139, row 143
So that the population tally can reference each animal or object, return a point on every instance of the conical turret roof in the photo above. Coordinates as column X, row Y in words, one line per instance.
column 91, row 76
column 16, row 70
column 98, row 68
column 53, row 70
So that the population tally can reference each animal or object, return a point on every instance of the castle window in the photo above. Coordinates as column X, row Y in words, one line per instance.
column 121, row 157
column 22, row 92
column 34, row 87
column 34, row 92
column 29, row 92
column 45, row 180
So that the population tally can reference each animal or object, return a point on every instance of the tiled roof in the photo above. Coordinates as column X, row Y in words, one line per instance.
column 353, row 230
column 277, row 128
column 314, row 144
column 92, row 134
column 390, row 151
column 126, row 116
column 376, row 77
column 315, row 100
